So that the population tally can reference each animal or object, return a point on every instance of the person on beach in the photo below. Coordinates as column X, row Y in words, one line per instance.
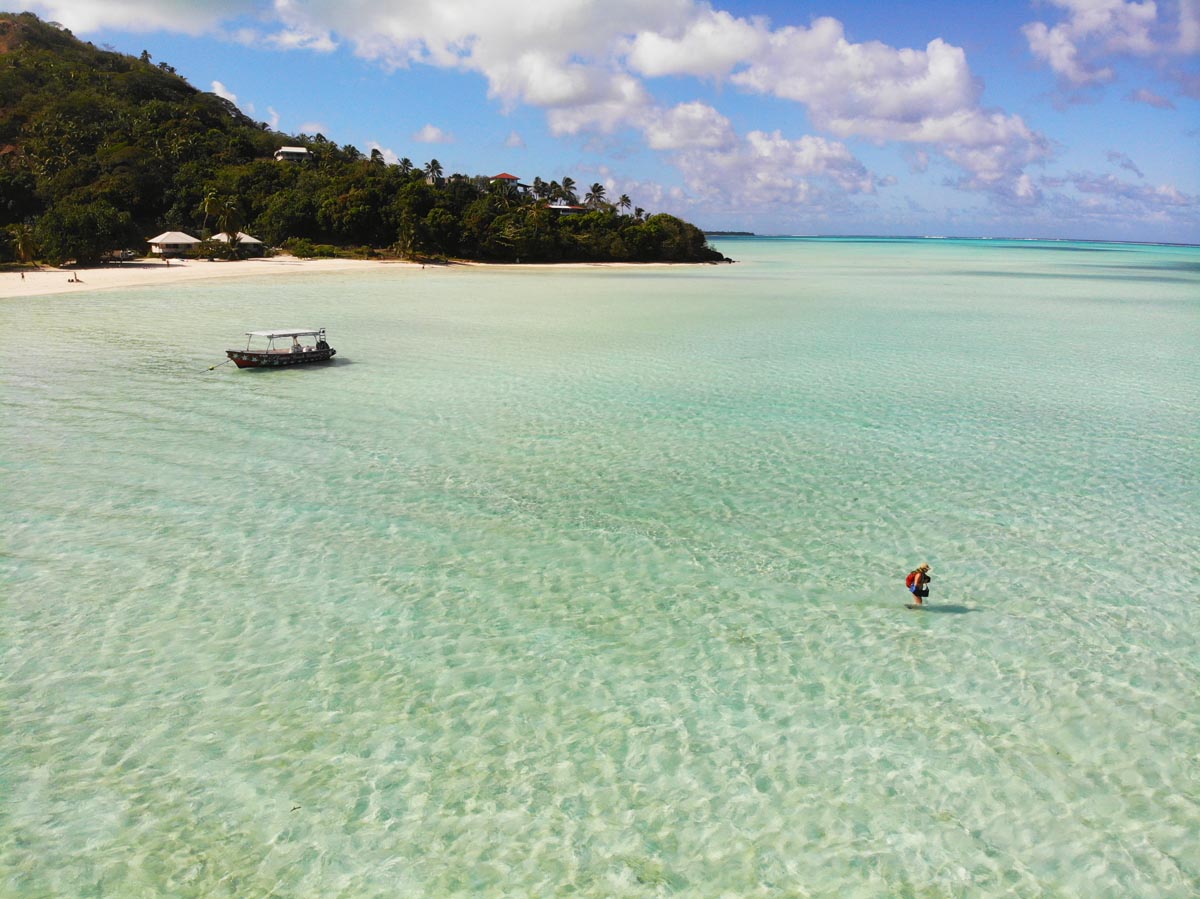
column 917, row 582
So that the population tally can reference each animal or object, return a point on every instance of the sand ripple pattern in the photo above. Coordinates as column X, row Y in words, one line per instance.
column 589, row 583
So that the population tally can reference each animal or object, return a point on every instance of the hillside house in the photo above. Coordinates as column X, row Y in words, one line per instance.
column 292, row 154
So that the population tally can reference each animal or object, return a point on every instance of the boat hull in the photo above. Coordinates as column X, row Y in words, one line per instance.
column 259, row 359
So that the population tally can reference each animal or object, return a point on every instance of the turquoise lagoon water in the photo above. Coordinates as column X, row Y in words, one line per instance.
column 588, row 581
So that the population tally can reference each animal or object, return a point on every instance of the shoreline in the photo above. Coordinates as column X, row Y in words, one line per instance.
column 155, row 273
column 48, row 281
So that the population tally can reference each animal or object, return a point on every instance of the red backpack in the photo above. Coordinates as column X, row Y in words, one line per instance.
column 910, row 580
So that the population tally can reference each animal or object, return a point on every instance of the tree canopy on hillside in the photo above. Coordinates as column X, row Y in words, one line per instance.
column 99, row 150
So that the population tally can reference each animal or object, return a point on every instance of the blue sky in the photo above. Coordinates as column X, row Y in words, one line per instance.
column 1048, row 118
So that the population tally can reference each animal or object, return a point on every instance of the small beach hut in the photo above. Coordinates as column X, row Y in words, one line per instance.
column 250, row 246
column 172, row 243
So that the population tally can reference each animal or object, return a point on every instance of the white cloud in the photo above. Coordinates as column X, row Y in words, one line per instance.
column 767, row 170
column 139, row 15
column 1080, row 48
column 1124, row 162
column 886, row 94
column 688, row 125
column 1144, row 195
column 313, row 128
column 224, row 93
column 861, row 88
column 586, row 64
column 515, row 141
column 432, row 134
column 626, row 103
column 1086, row 196
column 1189, row 26
column 918, row 160
column 1056, row 48
column 389, row 155
column 291, row 39
column 710, row 44
column 1144, row 95
column 272, row 118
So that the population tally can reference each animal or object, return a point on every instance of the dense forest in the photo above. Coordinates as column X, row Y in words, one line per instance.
column 100, row 150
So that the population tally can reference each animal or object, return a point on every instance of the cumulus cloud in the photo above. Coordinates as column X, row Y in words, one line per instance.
column 1189, row 26
column 1120, row 159
column 766, row 170
column 625, row 101
column 710, row 44
column 865, row 89
column 290, row 39
column 432, row 134
column 389, row 155
column 887, row 94
column 514, row 141
column 1093, row 33
column 1143, row 95
column 590, row 65
column 1147, row 197
column 688, row 126
column 870, row 90
column 1087, row 196
column 224, row 93
column 140, row 15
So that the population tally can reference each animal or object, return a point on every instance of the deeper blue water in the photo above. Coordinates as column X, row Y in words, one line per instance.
column 589, row 581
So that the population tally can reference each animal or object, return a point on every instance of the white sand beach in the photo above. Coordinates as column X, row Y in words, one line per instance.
column 157, row 273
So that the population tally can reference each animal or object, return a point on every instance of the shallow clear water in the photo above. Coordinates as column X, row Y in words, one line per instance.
column 590, row 581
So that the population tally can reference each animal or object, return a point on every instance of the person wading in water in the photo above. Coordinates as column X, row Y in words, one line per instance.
column 917, row 582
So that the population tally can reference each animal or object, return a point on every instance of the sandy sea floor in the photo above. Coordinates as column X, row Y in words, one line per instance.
column 590, row 582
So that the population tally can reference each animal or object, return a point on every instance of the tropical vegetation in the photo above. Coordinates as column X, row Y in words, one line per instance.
column 100, row 150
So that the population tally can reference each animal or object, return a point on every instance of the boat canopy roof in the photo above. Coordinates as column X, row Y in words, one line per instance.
column 286, row 332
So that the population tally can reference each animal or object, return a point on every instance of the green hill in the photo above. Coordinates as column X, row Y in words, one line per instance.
column 99, row 150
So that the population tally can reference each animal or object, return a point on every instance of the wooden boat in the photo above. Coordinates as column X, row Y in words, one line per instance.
column 298, row 352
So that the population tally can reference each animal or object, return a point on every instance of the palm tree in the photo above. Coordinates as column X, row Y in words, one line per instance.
column 22, row 239
column 229, row 219
column 568, row 188
column 406, row 166
column 638, row 213
column 595, row 195
column 540, row 188
column 433, row 171
column 504, row 192
column 209, row 206
column 625, row 202
column 376, row 157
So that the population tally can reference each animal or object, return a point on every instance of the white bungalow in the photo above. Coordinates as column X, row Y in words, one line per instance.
column 244, row 239
column 292, row 154
column 251, row 246
column 172, row 243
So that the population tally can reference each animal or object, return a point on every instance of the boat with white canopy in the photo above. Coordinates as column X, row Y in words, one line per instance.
column 300, row 351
